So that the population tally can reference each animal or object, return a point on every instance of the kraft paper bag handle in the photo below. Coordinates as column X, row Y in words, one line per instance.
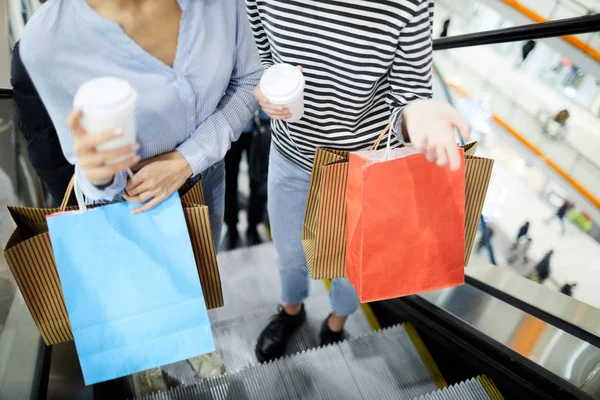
column 73, row 186
column 381, row 136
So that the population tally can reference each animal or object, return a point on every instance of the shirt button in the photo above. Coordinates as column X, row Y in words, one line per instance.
column 191, row 100
column 191, row 118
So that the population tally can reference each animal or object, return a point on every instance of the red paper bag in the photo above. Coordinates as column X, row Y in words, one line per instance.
column 404, row 224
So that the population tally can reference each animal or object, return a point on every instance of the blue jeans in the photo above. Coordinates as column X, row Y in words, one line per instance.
column 287, row 196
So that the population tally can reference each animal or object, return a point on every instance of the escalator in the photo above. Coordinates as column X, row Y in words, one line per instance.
column 499, row 336
column 392, row 363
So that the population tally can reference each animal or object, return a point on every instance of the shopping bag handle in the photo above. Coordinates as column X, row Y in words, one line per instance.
column 381, row 136
column 73, row 186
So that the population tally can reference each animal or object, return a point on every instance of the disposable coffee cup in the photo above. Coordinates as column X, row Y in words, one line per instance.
column 108, row 104
column 283, row 84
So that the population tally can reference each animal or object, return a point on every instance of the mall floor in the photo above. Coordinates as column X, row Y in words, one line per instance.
column 513, row 198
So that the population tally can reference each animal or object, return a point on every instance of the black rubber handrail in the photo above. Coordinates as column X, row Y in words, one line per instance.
column 541, row 30
column 6, row 94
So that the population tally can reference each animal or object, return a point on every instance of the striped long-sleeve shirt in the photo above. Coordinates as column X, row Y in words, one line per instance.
column 197, row 107
column 363, row 61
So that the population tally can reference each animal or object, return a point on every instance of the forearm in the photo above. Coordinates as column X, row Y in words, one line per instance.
column 211, row 140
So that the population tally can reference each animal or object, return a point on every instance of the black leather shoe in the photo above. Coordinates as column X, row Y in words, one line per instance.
column 273, row 339
column 328, row 336
column 253, row 237
column 232, row 239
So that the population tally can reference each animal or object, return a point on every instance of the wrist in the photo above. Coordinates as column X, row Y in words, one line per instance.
column 186, row 168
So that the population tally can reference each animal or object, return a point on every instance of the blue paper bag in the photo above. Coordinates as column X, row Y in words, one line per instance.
column 131, row 288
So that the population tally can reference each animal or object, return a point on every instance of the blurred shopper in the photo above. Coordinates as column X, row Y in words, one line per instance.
column 542, row 269
column 445, row 28
column 560, row 215
column 189, row 107
column 521, row 252
column 526, row 50
column 567, row 289
column 557, row 125
column 482, row 243
column 33, row 121
column 257, row 200
column 523, row 230
column 361, row 74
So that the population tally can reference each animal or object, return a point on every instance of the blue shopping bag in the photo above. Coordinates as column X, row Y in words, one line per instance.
column 131, row 288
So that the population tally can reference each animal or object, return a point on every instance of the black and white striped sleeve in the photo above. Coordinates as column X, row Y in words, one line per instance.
column 411, row 73
column 260, row 35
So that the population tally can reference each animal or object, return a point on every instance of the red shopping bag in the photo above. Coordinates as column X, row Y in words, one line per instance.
column 405, row 221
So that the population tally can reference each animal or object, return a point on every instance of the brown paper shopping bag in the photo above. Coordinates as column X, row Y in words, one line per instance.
column 31, row 261
column 478, row 172
column 324, row 232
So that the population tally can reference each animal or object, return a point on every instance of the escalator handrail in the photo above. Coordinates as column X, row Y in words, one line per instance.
column 6, row 94
column 540, row 30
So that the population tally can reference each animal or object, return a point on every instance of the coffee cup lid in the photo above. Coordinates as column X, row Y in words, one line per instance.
column 281, row 83
column 103, row 93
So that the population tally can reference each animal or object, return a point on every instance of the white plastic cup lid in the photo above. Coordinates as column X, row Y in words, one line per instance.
column 281, row 83
column 103, row 94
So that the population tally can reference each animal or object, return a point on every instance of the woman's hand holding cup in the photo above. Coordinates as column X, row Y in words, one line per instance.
column 99, row 166
column 281, row 111
column 275, row 112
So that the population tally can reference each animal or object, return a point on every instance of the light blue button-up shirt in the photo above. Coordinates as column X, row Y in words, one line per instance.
column 197, row 107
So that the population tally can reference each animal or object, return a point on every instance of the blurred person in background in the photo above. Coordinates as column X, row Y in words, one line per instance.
column 522, row 252
column 257, row 200
column 542, row 269
column 526, row 51
column 43, row 146
column 361, row 74
column 567, row 289
column 523, row 231
column 560, row 214
column 482, row 243
column 445, row 28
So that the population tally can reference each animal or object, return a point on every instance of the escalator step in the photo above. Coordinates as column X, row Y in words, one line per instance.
column 310, row 375
column 385, row 365
column 472, row 389
column 236, row 337
column 382, row 365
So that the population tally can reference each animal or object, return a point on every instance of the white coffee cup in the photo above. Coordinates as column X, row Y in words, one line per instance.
column 283, row 84
column 108, row 103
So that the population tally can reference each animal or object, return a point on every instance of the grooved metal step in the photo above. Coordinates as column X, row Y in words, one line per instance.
column 382, row 365
column 472, row 389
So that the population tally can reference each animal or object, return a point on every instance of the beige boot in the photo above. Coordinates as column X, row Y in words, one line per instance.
column 208, row 365
column 148, row 382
